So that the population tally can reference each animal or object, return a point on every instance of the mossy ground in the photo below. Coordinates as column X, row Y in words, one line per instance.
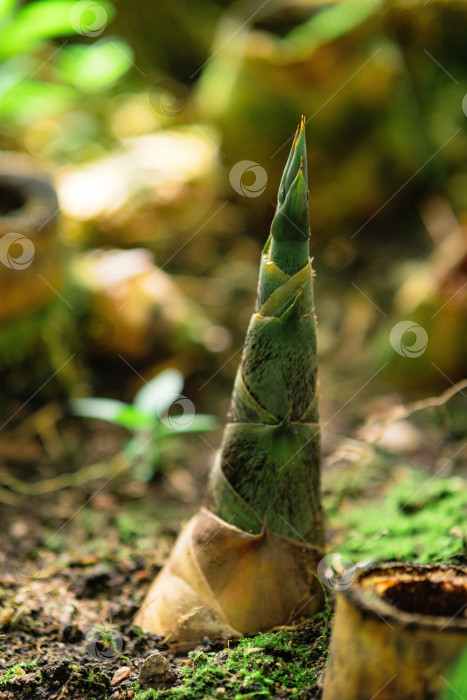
column 16, row 671
column 285, row 663
column 418, row 519
column 65, row 584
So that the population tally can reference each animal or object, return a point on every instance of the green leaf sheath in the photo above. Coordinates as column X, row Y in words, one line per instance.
column 268, row 467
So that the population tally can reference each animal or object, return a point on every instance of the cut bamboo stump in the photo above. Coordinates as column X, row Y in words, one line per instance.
column 397, row 629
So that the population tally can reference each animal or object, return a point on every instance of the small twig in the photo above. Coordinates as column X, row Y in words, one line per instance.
column 9, row 498
column 432, row 402
column 94, row 471
column 401, row 412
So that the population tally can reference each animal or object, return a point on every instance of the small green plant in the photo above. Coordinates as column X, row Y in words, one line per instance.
column 149, row 419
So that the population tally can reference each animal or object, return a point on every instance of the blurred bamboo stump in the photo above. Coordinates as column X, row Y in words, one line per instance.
column 137, row 310
column 36, row 318
column 397, row 629
column 29, row 247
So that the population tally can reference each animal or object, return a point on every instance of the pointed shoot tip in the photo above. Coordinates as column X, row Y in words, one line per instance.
column 295, row 138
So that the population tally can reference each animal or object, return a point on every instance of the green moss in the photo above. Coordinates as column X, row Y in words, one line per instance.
column 421, row 518
column 97, row 678
column 129, row 527
column 16, row 671
column 255, row 667
column 63, row 673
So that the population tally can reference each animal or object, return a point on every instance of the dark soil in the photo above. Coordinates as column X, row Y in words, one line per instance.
column 76, row 563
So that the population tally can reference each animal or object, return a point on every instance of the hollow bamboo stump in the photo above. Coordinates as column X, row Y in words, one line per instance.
column 397, row 629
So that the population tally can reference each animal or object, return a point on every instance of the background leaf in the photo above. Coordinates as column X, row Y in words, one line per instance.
column 199, row 423
column 33, row 98
column 159, row 393
column 91, row 68
column 44, row 20
column 6, row 9
column 114, row 411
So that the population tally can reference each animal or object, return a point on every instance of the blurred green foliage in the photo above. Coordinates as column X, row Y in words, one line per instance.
column 455, row 685
column 39, row 77
column 383, row 85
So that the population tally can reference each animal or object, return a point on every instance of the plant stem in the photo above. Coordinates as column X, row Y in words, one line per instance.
column 268, row 469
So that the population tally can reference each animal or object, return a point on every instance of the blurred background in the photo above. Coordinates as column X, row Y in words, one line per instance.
column 142, row 147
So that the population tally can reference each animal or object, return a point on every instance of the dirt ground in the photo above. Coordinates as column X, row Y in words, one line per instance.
column 75, row 565
column 76, row 562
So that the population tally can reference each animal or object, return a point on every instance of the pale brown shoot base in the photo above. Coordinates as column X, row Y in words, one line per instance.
column 222, row 582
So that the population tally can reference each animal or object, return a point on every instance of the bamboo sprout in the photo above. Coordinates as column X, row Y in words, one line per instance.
column 397, row 630
column 245, row 563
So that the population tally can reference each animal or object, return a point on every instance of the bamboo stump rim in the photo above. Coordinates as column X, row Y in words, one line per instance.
column 377, row 591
